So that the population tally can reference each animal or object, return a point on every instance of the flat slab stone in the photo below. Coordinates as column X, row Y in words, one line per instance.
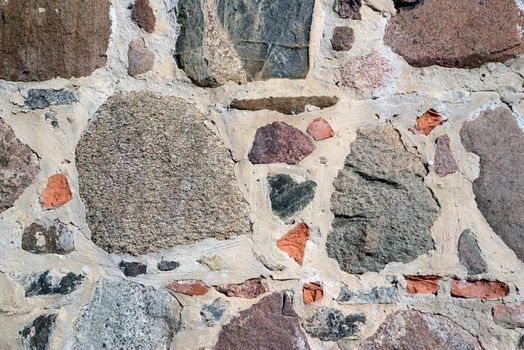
column 152, row 176
column 286, row 105
column 498, row 140
column 470, row 255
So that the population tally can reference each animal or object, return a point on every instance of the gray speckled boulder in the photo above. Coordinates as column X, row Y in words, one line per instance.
column 152, row 176
column 383, row 211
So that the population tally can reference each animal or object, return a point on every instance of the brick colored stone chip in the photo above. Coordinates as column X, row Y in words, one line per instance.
column 319, row 129
column 294, row 242
column 482, row 289
column 188, row 287
column 422, row 284
column 56, row 193
column 312, row 292
column 249, row 289
column 427, row 122
column 143, row 15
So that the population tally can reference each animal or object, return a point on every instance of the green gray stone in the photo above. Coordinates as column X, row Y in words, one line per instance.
column 287, row 196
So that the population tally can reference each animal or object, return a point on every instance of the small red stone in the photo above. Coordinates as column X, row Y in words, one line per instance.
column 312, row 292
column 188, row 287
column 483, row 289
column 427, row 122
column 319, row 129
column 422, row 284
column 249, row 289
column 294, row 242
column 56, row 193
column 509, row 316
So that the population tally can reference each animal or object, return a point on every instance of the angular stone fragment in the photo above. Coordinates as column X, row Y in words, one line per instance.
column 427, row 122
column 366, row 72
column 470, row 255
column 509, row 316
column 287, row 196
column 348, row 8
column 53, row 283
column 294, row 242
column 312, row 292
column 56, row 193
column 331, row 325
column 406, row 4
column 422, row 284
column 152, row 176
column 487, row 32
column 377, row 195
column 319, row 129
column 285, row 105
column 520, row 345
column 212, row 313
column 167, row 265
column 417, row 330
column 342, row 39
column 140, row 60
column 377, row 295
column 65, row 38
column 279, row 142
column 445, row 163
column 41, row 238
column 36, row 335
column 213, row 262
column 249, row 289
column 497, row 139
column 127, row 315
column 143, row 15
column 270, row 324
column 483, row 289
column 18, row 166
column 43, row 98
column 132, row 268
column 188, row 287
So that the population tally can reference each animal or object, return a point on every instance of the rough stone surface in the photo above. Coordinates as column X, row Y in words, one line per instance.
column 488, row 32
column 294, row 242
column 188, row 287
column 41, row 238
column 140, row 60
column 213, row 262
column 342, row 39
column 56, row 193
column 445, row 163
column 164, row 164
column 427, row 122
column 67, row 39
column 377, row 194
column 36, row 335
column 499, row 190
column 483, row 289
column 126, row 315
column 269, row 324
column 331, row 325
column 167, row 265
column 366, row 72
column 249, row 289
column 18, row 167
column 132, row 268
column 348, row 8
column 285, row 105
column 143, row 15
column 470, row 255
column 289, row 197
column 279, row 142
column 212, row 313
column 417, row 330
column 422, row 284
column 50, row 282
column 377, row 295
column 319, row 129
column 312, row 292
column 509, row 316
column 520, row 345
column 43, row 98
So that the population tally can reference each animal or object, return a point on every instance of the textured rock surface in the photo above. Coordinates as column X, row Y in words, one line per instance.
column 348, row 8
column 132, row 268
column 377, row 194
column 422, row 284
column 66, row 39
column 168, row 172
column 212, row 313
column 43, row 98
column 56, row 193
column 167, row 265
column 127, row 315
column 470, row 255
column 36, row 335
column 331, row 325
column 287, row 196
column 417, row 330
column 41, row 238
column 143, row 15
column 366, row 72
column 249, row 289
column 286, row 105
column 445, row 163
column 51, row 282
column 270, row 324
column 427, row 122
column 479, row 289
column 312, row 292
column 140, row 60
column 488, row 32
column 188, row 287
column 342, row 39
column 294, row 242
column 18, row 167
column 509, row 316
column 377, row 295
column 319, row 129
column 499, row 189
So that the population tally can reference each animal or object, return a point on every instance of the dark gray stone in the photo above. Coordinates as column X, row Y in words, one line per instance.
column 331, row 325
column 498, row 140
column 470, row 255
column 520, row 345
column 342, row 39
column 132, row 268
column 383, row 211
column 377, row 295
column 43, row 98
column 36, row 335
column 212, row 313
column 41, row 238
column 287, row 196
column 166, row 265
column 47, row 283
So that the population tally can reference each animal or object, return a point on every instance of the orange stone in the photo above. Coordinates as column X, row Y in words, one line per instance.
column 319, row 129
column 294, row 242
column 427, row 122
column 56, row 193
column 422, row 284
column 189, row 287
column 312, row 292
column 483, row 289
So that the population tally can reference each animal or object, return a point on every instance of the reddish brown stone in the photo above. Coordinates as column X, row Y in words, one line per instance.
column 445, row 163
column 366, row 72
column 342, row 39
column 140, row 59
column 56, row 193
column 319, row 129
column 249, row 289
column 422, row 284
column 286, row 105
column 18, row 166
column 509, row 316
column 279, row 142
column 294, row 242
column 427, row 122
column 43, row 39
column 312, row 292
column 188, row 287
column 456, row 33
column 143, row 15
column 483, row 289
column 270, row 324
column 348, row 8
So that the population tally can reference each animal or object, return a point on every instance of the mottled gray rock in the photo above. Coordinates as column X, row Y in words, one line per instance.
column 417, row 330
column 43, row 98
column 331, row 325
column 383, row 211
column 18, row 167
column 342, row 39
column 41, row 238
column 132, row 268
column 36, row 335
column 470, row 255
column 269, row 324
column 167, row 265
column 212, row 313
column 287, row 196
column 126, row 315
column 377, row 295
column 348, row 8
column 140, row 60
column 286, row 105
column 445, row 163
column 499, row 190
column 152, row 176
column 53, row 282
column 520, row 345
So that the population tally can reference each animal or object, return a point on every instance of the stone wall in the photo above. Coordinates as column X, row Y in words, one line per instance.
column 274, row 174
